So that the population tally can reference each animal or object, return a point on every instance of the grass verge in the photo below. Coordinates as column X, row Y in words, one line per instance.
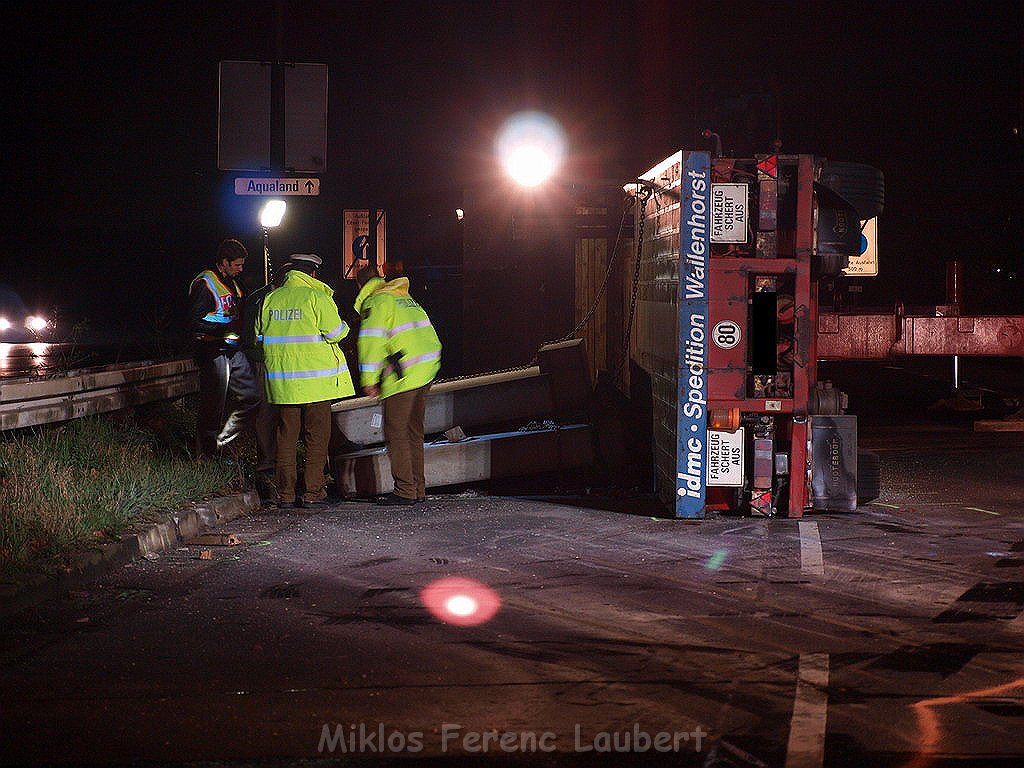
column 69, row 486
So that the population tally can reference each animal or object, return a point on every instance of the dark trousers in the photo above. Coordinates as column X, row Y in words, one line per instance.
column 403, row 430
column 229, row 395
column 266, row 425
column 314, row 421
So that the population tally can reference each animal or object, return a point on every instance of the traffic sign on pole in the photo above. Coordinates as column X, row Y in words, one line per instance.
column 356, row 233
column 866, row 263
column 275, row 187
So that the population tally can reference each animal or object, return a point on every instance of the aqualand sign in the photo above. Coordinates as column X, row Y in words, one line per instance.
column 260, row 186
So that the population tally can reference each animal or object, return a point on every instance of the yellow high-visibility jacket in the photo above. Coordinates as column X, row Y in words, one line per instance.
column 398, row 346
column 299, row 328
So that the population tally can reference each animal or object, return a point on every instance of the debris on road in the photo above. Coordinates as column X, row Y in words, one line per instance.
column 216, row 540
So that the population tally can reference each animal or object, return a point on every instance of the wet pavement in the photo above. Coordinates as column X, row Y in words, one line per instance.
column 892, row 636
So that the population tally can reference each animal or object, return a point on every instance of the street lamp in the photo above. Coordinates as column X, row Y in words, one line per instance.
column 531, row 146
column 270, row 217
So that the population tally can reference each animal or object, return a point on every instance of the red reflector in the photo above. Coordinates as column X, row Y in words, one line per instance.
column 769, row 166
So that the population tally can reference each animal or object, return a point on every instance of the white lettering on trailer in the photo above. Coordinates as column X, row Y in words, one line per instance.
column 691, row 422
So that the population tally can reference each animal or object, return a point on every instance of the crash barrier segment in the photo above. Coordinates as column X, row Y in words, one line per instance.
column 558, row 386
column 472, row 459
column 470, row 402
column 30, row 401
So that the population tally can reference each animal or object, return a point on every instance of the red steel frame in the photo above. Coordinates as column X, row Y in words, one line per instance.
column 728, row 287
column 878, row 336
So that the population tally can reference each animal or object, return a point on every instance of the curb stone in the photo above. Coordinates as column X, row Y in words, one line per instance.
column 174, row 529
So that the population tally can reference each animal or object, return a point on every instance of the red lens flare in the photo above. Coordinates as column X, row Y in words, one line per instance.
column 460, row 601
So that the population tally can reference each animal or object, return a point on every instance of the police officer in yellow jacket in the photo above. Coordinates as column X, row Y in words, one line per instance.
column 215, row 317
column 399, row 356
column 299, row 328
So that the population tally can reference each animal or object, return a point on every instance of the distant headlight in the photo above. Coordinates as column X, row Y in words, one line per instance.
column 36, row 323
column 4, row 323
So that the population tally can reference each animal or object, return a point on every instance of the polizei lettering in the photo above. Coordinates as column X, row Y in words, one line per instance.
column 279, row 186
column 295, row 313
column 691, row 417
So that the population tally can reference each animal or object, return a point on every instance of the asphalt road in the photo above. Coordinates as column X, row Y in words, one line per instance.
column 892, row 636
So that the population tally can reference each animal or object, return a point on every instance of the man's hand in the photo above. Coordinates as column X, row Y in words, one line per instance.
column 372, row 390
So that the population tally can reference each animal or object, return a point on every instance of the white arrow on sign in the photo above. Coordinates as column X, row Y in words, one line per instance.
column 260, row 186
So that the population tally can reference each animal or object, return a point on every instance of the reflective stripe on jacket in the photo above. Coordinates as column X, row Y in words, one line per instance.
column 398, row 346
column 299, row 328
column 227, row 298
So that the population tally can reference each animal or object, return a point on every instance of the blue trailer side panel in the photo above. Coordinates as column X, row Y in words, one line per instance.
column 691, row 379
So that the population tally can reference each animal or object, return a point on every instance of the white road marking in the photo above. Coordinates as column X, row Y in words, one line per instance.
column 811, row 561
column 986, row 511
column 806, row 747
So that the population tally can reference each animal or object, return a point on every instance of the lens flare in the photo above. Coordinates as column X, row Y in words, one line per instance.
column 717, row 559
column 461, row 605
column 531, row 146
column 460, row 601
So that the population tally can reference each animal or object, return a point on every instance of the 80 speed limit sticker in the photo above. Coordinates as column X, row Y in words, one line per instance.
column 726, row 334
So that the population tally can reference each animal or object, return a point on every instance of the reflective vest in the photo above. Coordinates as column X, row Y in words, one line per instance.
column 228, row 299
column 398, row 346
column 299, row 328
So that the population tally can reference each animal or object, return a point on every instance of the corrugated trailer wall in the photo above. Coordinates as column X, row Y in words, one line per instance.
column 654, row 345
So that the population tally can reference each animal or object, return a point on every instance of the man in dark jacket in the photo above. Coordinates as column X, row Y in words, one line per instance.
column 215, row 324
column 266, row 413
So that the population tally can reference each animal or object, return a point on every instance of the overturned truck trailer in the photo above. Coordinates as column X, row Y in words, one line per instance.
column 730, row 254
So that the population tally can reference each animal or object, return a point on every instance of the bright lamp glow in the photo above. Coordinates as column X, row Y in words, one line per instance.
column 461, row 602
column 35, row 323
column 531, row 146
column 272, row 213
column 461, row 605
column 5, row 324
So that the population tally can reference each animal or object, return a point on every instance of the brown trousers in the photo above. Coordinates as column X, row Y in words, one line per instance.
column 314, row 419
column 403, row 431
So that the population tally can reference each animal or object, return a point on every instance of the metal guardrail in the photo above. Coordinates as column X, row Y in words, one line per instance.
column 32, row 401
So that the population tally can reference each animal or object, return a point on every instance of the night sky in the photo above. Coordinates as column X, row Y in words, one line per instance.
column 113, row 199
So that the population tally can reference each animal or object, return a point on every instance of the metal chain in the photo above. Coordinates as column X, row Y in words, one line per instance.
column 604, row 283
column 644, row 195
